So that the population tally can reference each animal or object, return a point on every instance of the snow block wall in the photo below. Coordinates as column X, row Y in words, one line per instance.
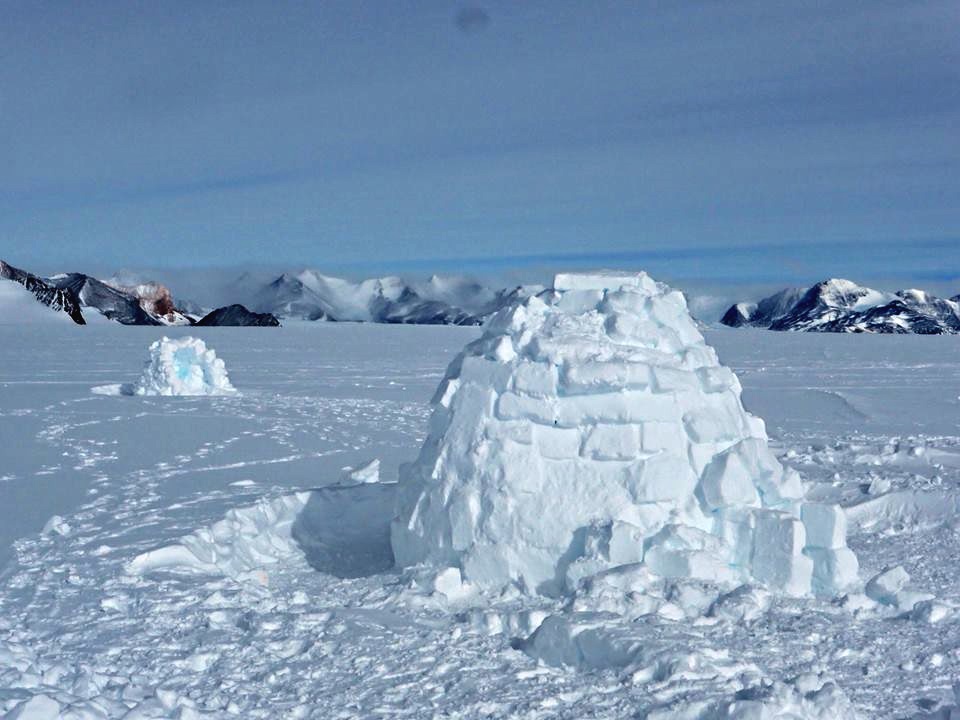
column 591, row 427
column 183, row 366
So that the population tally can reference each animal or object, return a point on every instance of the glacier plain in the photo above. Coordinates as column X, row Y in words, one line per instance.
column 172, row 557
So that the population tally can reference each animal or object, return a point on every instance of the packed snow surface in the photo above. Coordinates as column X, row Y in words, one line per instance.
column 591, row 428
column 183, row 367
column 227, row 556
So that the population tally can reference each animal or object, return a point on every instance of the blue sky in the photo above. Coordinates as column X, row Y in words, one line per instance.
column 727, row 142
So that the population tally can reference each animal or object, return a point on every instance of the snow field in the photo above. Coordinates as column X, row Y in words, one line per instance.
column 274, row 633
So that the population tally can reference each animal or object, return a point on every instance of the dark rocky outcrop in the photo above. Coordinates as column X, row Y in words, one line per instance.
column 237, row 316
column 56, row 298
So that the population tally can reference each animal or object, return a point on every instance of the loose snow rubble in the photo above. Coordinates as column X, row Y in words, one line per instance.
column 592, row 428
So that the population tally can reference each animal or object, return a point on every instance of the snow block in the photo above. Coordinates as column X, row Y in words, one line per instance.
column 626, row 544
column 535, row 379
column 488, row 373
column 612, row 442
column 663, row 436
column 737, row 527
column 511, row 406
column 728, row 481
column 679, row 551
column 585, row 422
column 661, row 477
column 628, row 406
column 605, row 281
column 605, row 377
column 834, row 570
column 557, row 443
column 718, row 379
column 580, row 301
column 777, row 561
column 826, row 525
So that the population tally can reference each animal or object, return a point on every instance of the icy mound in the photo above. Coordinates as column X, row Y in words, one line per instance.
column 591, row 427
column 183, row 366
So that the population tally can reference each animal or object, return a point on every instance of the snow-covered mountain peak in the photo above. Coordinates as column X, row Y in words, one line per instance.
column 841, row 293
column 838, row 305
column 311, row 295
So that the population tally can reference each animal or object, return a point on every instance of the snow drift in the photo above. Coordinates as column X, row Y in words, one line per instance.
column 341, row 530
column 183, row 366
column 591, row 427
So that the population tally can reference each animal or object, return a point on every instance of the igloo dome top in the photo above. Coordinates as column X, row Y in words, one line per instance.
column 592, row 427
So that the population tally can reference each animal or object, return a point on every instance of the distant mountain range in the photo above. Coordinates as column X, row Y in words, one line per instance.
column 142, row 304
column 307, row 295
column 844, row 307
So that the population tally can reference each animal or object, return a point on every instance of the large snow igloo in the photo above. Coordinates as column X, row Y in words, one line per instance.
column 591, row 427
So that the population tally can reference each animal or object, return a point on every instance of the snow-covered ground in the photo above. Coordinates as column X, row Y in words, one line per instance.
column 228, row 556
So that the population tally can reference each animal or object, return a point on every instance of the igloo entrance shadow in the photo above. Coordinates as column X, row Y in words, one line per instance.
column 345, row 530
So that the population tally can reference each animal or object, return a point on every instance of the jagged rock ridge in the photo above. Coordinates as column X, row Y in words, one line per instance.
column 56, row 298
column 113, row 303
column 238, row 316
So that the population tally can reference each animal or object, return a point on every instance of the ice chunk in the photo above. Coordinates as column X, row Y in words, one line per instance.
column 366, row 473
column 449, row 583
column 56, row 525
column 930, row 611
column 183, row 366
column 744, row 604
column 886, row 585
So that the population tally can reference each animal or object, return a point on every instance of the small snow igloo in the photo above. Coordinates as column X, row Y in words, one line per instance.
column 591, row 427
column 183, row 367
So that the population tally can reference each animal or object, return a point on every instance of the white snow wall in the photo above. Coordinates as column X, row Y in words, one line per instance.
column 592, row 427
